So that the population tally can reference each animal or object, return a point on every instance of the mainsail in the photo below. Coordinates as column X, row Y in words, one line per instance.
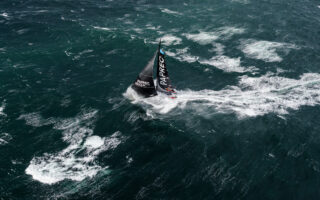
column 144, row 84
column 163, row 80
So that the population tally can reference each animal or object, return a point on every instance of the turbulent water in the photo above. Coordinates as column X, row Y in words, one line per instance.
column 245, row 124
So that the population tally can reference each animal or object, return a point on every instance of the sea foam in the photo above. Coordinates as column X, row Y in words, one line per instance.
column 202, row 38
column 220, row 61
column 223, row 33
column 227, row 64
column 253, row 96
column 265, row 50
column 183, row 55
column 77, row 161
column 169, row 40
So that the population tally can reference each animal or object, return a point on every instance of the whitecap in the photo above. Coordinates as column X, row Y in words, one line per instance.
column 265, row 50
column 93, row 142
column 202, row 38
column 150, row 27
column 5, row 15
column 138, row 30
column 228, row 31
column 183, row 55
column 165, row 10
column 2, row 107
column 129, row 159
column 103, row 28
column 220, row 61
column 217, row 48
column 169, row 39
column 227, row 64
column 41, row 11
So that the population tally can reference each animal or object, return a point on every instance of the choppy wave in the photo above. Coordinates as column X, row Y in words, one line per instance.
column 265, row 50
column 77, row 161
column 2, row 107
column 253, row 96
column 5, row 138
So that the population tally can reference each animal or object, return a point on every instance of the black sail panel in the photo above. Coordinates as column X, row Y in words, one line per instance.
column 163, row 80
column 144, row 84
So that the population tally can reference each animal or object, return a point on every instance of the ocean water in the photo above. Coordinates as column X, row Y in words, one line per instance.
column 245, row 124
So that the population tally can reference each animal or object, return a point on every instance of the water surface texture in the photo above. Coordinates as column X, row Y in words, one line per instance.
column 245, row 124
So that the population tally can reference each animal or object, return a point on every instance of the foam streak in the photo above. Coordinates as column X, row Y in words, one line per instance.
column 253, row 96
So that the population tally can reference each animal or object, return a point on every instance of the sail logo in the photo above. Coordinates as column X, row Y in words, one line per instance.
column 141, row 83
column 162, row 71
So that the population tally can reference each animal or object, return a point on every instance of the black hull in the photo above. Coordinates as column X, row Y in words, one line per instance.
column 145, row 92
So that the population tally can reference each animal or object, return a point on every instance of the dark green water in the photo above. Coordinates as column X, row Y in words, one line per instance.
column 245, row 124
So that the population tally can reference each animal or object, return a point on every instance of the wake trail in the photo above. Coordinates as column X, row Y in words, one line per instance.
column 253, row 96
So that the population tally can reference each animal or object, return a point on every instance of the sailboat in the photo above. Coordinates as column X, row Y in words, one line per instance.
column 144, row 84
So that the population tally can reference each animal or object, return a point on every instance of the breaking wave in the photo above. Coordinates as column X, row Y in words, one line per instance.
column 252, row 97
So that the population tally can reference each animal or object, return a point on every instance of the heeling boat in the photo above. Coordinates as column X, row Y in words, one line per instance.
column 144, row 84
